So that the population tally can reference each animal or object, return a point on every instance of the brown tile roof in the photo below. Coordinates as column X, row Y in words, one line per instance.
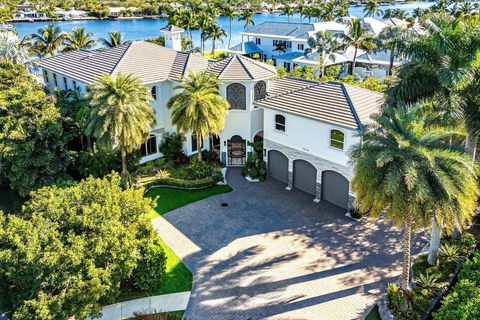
column 237, row 67
column 332, row 102
column 145, row 60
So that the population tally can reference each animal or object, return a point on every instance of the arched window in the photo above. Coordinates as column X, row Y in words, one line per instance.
column 154, row 92
column 149, row 147
column 280, row 122
column 260, row 90
column 337, row 139
column 236, row 96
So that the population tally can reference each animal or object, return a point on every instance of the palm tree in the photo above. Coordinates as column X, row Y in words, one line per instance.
column 215, row 32
column 391, row 38
column 47, row 41
column 78, row 39
column 231, row 13
column 13, row 49
column 443, row 68
column 188, row 20
column 120, row 116
column 287, row 11
column 247, row 16
column 302, row 10
column 341, row 9
column 402, row 170
column 325, row 44
column 115, row 38
column 328, row 11
column 204, row 22
column 372, row 9
column 358, row 37
column 198, row 108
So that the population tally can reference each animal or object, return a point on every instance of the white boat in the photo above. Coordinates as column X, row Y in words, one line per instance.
column 6, row 27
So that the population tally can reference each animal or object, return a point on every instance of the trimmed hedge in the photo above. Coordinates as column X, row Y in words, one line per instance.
column 184, row 184
column 463, row 303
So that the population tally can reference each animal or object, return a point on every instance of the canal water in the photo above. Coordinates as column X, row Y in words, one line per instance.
column 140, row 29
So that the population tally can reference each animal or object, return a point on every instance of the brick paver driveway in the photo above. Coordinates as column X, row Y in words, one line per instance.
column 276, row 254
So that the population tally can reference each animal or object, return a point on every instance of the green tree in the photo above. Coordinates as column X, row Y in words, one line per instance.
column 372, row 9
column 358, row 37
column 12, row 49
column 391, row 38
column 199, row 108
column 47, row 41
column 215, row 32
column 78, row 39
column 33, row 148
column 247, row 16
column 188, row 20
column 231, row 13
column 120, row 116
column 402, row 170
column 115, row 38
column 204, row 22
column 69, row 249
column 324, row 44
column 288, row 11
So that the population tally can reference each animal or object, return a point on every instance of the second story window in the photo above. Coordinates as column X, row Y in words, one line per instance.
column 260, row 90
column 65, row 83
column 45, row 77
column 279, row 123
column 74, row 85
column 55, row 80
column 288, row 44
column 258, row 41
column 301, row 46
column 154, row 92
column 236, row 96
column 337, row 139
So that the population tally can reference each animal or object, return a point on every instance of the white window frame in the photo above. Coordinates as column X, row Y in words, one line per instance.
column 275, row 123
column 331, row 139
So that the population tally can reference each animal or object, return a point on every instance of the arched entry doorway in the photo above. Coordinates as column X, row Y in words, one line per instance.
column 236, row 151
column 335, row 188
column 304, row 176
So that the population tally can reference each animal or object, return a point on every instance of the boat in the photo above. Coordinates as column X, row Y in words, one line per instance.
column 6, row 27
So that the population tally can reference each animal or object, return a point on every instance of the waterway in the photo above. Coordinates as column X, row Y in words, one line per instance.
column 140, row 29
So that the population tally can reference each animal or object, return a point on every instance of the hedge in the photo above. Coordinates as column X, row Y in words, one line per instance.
column 184, row 184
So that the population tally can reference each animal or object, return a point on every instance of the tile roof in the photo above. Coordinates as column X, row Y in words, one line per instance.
column 286, row 29
column 332, row 102
column 172, row 28
column 145, row 60
column 237, row 67
column 247, row 47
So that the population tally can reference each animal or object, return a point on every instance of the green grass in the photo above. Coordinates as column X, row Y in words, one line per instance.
column 170, row 199
column 373, row 315
column 177, row 315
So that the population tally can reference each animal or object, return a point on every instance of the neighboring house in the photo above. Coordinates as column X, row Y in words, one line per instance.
column 70, row 14
column 311, row 111
column 27, row 11
column 285, row 43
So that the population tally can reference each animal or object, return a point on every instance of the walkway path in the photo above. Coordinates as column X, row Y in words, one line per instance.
column 275, row 254
column 163, row 303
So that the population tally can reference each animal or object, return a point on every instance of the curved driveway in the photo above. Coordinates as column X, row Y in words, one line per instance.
column 275, row 254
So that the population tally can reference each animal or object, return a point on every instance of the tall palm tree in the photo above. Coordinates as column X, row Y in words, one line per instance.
column 231, row 13
column 372, row 9
column 78, row 39
column 358, row 37
column 301, row 9
column 215, row 32
column 391, row 38
column 188, row 20
column 402, row 170
column 13, row 49
column 341, row 9
column 47, row 41
column 247, row 16
column 204, row 22
column 199, row 108
column 443, row 66
column 120, row 116
column 115, row 38
column 325, row 44
column 288, row 11
column 328, row 11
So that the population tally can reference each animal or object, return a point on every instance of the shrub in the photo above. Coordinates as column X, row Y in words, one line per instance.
column 428, row 282
column 450, row 253
column 98, row 163
column 333, row 71
column 255, row 167
column 163, row 174
column 356, row 213
column 171, row 147
column 150, row 268
column 195, row 170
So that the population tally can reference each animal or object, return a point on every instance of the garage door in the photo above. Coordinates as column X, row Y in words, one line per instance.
column 304, row 176
column 335, row 188
column 278, row 166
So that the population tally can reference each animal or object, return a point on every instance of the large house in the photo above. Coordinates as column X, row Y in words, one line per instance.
column 307, row 127
column 285, row 43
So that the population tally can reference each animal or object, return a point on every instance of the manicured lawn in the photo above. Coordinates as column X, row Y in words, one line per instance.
column 170, row 199
column 373, row 315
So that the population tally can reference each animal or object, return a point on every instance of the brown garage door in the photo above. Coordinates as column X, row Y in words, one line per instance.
column 335, row 188
column 278, row 166
column 304, row 176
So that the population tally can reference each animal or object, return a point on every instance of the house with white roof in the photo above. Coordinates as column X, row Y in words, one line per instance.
column 307, row 127
column 263, row 40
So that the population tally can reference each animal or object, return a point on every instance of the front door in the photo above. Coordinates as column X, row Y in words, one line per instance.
column 236, row 151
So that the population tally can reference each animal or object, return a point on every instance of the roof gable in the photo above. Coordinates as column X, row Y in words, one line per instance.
column 238, row 67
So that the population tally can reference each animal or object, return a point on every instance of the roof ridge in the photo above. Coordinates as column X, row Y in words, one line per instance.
column 350, row 105
column 226, row 65
column 244, row 67
column 128, row 45
column 185, row 67
column 314, row 84
column 257, row 63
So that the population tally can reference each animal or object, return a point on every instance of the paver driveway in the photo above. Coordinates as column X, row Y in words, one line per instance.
column 275, row 254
